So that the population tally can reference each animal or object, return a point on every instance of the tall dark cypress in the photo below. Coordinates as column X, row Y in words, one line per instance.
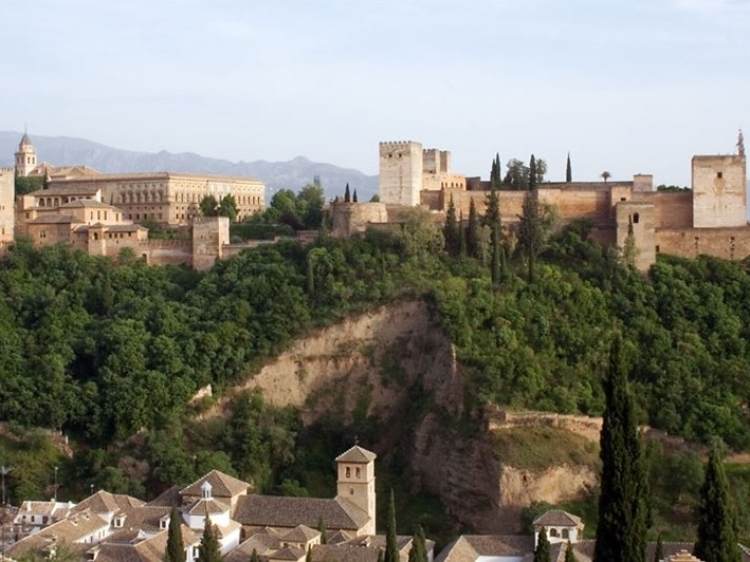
column 450, row 230
column 473, row 244
column 659, row 552
column 568, row 171
column 717, row 531
column 175, row 549
column 497, row 265
column 621, row 530
column 418, row 552
column 347, row 195
column 209, row 549
column 532, row 172
column 354, row 197
column 542, row 551
column 461, row 235
column 391, row 538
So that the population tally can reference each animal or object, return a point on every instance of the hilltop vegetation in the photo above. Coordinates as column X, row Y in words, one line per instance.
column 112, row 352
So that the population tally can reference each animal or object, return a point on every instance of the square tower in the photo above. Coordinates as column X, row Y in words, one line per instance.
column 7, row 210
column 401, row 167
column 719, row 191
column 356, row 482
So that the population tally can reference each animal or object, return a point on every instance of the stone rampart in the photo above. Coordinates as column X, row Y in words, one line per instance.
column 727, row 243
column 352, row 218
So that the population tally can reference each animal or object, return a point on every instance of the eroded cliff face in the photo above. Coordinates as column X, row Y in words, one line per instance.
column 397, row 364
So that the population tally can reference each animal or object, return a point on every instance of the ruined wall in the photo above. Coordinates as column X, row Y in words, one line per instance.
column 719, row 191
column 400, row 172
column 728, row 243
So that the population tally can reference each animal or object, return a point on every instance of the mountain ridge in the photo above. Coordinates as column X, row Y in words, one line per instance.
column 292, row 174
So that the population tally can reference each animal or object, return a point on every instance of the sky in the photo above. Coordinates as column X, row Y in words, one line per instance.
column 626, row 86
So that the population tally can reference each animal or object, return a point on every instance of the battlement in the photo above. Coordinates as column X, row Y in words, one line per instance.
column 392, row 146
column 10, row 169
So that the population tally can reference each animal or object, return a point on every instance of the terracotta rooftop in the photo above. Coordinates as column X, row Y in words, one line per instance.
column 279, row 511
column 356, row 454
column 468, row 548
column 557, row 518
column 222, row 485
column 207, row 507
column 301, row 533
column 288, row 553
column 104, row 502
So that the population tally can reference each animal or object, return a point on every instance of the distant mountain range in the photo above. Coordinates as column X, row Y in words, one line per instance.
column 294, row 174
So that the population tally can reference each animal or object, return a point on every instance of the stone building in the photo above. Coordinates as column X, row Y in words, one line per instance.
column 711, row 218
column 167, row 198
column 118, row 528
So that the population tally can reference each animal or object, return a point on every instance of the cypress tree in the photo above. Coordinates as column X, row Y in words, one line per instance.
column 493, row 173
column 498, row 171
column 391, row 538
column 492, row 214
column 354, row 197
column 621, row 530
column 570, row 556
column 472, row 233
column 175, row 550
column 532, row 172
column 209, row 550
column 659, row 553
column 450, row 230
column 717, row 532
column 347, row 195
column 542, row 552
column 461, row 235
column 568, row 171
column 418, row 552
column 323, row 531
column 308, row 556
column 497, row 266
column 254, row 556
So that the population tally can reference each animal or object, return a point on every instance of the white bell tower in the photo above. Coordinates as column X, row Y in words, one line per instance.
column 25, row 157
column 356, row 482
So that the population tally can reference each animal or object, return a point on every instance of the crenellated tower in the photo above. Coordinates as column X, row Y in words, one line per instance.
column 25, row 157
column 401, row 168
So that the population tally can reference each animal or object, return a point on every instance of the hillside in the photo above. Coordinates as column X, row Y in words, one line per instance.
column 384, row 338
column 294, row 174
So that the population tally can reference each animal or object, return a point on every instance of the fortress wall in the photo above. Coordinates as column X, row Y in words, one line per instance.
column 591, row 204
column 350, row 218
column 673, row 209
column 728, row 243
column 433, row 200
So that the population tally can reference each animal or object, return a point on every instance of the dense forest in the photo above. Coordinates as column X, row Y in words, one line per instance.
column 111, row 352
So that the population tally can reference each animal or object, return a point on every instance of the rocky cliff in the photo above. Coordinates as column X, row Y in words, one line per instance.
column 397, row 364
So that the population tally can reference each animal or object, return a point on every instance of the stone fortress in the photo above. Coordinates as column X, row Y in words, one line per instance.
column 709, row 219
column 102, row 213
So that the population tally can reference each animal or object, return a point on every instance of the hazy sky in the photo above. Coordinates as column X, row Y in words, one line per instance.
column 626, row 86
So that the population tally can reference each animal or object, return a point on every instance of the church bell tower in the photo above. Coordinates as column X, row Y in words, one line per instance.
column 25, row 157
column 356, row 482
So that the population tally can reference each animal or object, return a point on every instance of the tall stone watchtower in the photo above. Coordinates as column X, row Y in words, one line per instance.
column 719, row 191
column 356, row 482
column 7, row 210
column 401, row 168
column 25, row 157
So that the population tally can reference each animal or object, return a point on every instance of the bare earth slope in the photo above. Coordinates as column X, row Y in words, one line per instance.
column 396, row 363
